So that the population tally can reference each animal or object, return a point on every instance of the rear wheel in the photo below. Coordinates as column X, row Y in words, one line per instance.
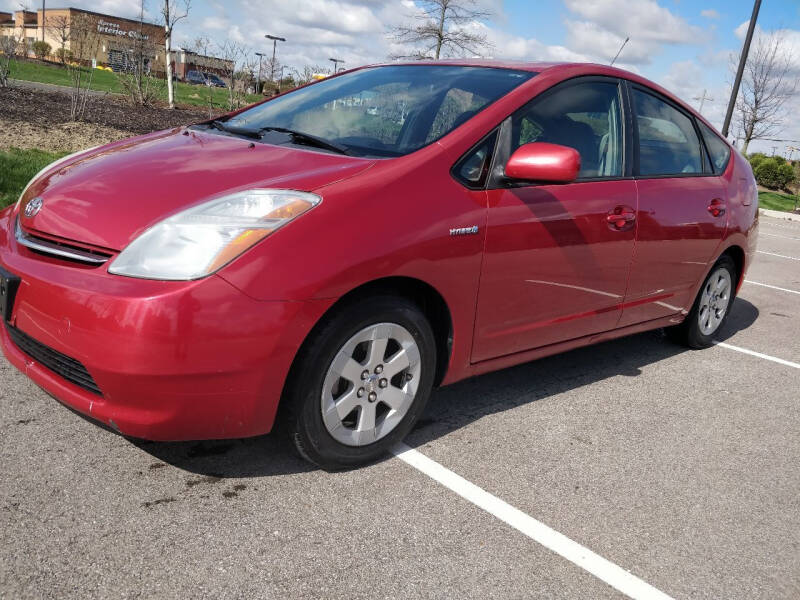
column 361, row 382
column 711, row 307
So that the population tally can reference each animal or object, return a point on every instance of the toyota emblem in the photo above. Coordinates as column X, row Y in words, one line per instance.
column 33, row 207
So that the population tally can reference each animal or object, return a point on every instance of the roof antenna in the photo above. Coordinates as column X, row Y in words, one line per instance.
column 618, row 51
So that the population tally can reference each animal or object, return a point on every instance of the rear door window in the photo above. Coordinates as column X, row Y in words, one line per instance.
column 668, row 142
column 719, row 151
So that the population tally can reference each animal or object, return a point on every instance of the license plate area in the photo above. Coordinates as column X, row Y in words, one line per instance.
column 9, row 283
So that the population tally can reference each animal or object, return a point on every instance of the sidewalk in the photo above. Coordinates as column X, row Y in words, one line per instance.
column 779, row 214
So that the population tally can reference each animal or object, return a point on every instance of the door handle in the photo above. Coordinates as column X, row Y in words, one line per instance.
column 621, row 217
column 717, row 207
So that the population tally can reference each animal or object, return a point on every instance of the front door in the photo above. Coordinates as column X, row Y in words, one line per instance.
column 556, row 261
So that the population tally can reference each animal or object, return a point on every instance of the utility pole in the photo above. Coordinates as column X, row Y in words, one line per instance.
column 44, row 14
column 619, row 51
column 260, row 55
column 275, row 39
column 702, row 99
column 336, row 62
column 742, row 60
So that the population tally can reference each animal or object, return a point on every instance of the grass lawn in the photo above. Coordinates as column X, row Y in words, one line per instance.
column 17, row 168
column 776, row 201
column 106, row 81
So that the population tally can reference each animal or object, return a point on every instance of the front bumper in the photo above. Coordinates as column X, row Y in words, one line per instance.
column 172, row 360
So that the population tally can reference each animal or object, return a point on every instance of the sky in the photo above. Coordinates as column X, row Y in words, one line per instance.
column 687, row 46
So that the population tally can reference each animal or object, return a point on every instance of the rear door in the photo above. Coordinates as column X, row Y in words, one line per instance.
column 682, row 215
column 555, row 267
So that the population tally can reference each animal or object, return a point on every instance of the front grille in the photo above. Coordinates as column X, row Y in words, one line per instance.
column 60, row 249
column 61, row 364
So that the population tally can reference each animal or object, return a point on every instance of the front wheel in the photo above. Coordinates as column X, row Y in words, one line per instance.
column 361, row 382
column 711, row 307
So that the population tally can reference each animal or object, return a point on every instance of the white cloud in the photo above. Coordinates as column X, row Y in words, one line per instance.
column 645, row 20
column 215, row 23
column 598, row 28
column 709, row 13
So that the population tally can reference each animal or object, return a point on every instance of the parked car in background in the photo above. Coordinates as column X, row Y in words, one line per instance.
column 345, row 247
column 195, row 78
column 215, row 81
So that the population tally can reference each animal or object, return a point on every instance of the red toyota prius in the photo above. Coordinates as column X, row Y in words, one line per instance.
column 341, row 249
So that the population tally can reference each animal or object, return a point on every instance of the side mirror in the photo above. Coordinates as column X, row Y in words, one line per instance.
column 539, row 161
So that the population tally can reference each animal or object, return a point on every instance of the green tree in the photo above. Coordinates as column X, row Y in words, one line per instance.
column 774, row 173
column 41, row 49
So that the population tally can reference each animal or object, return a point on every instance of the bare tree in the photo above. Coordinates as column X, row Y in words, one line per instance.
column 58, row 27
column 200, row 46
column 235, row 66
column 171, row 12
column 84, row 42
column 9, row 45
column 138, row 52
column 309, row 74
column 442, row 30
column 767, row 84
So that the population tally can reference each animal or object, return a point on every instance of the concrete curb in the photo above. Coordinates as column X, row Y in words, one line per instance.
column 779, row 214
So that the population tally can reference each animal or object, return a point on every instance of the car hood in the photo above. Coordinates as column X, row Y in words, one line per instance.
column 108, row 196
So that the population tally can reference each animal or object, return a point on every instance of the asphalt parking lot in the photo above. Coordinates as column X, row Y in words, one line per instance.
column 678, row 467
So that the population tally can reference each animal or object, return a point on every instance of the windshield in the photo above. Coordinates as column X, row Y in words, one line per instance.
column 385, row 111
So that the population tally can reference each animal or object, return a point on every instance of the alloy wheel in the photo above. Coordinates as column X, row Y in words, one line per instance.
column 370, row 384
column 714, row 301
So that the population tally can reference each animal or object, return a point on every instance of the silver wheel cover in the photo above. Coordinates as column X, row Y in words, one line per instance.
column 371, row 384
column 715, row 298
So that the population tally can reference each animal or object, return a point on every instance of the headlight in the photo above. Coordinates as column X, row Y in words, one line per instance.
column 52, row 165
column 199, row 241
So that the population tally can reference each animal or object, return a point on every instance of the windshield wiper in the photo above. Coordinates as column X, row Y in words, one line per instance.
column 297, row 136
column 310, row 140
column 232, row 129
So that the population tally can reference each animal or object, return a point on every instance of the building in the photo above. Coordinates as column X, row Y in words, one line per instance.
column 102, row 40
column 184, row 60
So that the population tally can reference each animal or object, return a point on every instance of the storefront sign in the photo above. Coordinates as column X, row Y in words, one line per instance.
column 115, row 29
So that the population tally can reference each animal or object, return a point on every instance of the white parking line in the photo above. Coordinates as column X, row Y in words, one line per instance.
column 785, row 237
column 774, row 359
column 772, row 287
column 778, row 255
column 613, row 575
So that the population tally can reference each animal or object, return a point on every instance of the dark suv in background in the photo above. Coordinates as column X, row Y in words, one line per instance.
column 200, row 78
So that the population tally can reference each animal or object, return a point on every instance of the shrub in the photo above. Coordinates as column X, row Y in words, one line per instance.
column 41, row 49
column 63, row 55
column 756, row 159
column 773, row 173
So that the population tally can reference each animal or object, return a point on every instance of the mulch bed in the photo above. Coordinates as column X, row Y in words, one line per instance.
column 46, row 108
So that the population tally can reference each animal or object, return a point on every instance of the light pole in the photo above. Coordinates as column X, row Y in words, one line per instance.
column 742, row 60
column 275, row 39
column 260, row 55
column 335, row 62
column 703, row 99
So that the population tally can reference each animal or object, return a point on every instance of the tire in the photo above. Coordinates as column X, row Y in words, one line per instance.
column 711, row 307
column 346, row 380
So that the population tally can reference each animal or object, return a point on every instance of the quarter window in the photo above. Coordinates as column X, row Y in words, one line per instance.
column 718, row 149
column 668, row 142
column 473, row 169
column 585, row 116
